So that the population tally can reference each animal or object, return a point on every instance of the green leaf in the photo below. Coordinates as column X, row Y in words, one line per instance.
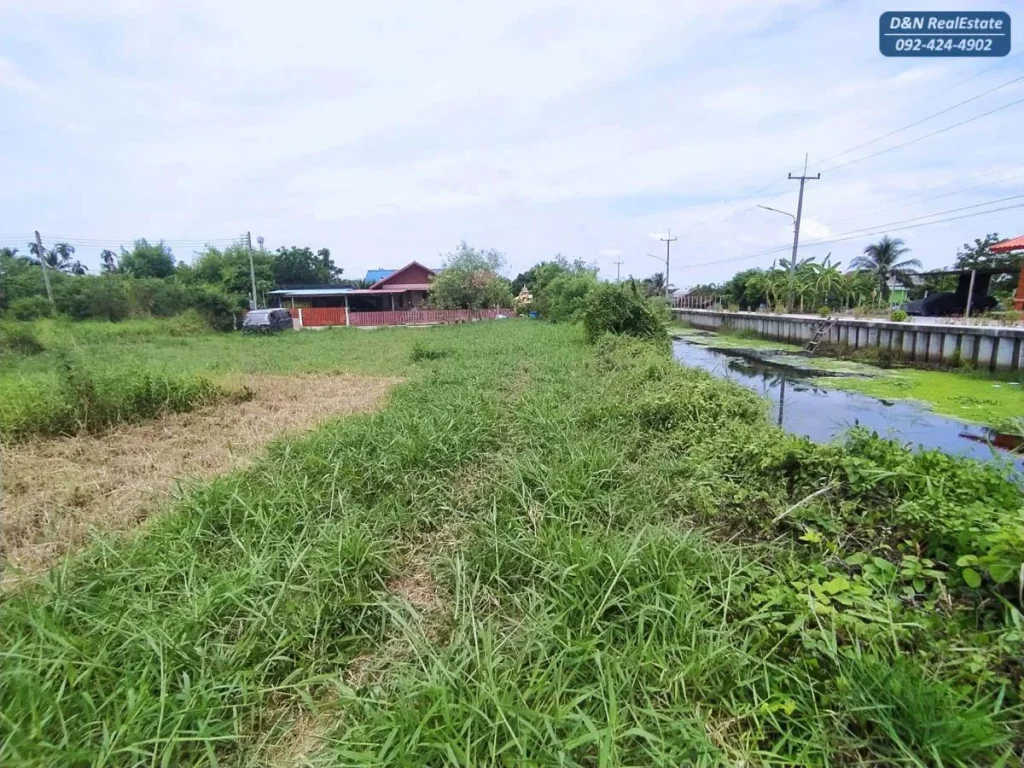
column 971, row 578
column 919, row 585
column 1001, row 573
column 836, row 585
column 966, row 560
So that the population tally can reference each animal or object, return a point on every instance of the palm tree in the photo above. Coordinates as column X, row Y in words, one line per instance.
column 109, row 259
column 655, row 284
column 41, row 255
column 882, row 259
column 60, row 257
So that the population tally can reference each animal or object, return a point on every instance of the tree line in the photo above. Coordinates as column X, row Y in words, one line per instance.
column 867, row 283
column 147, row 280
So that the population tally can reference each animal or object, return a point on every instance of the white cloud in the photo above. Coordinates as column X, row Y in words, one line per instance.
column 390, row 133
column 11, row 78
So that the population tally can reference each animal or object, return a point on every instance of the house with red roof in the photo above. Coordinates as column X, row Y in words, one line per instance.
column 394, row 291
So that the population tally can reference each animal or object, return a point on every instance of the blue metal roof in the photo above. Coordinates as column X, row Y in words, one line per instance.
column 375, row 275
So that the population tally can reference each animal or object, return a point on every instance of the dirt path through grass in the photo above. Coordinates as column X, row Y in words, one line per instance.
column 57, row 491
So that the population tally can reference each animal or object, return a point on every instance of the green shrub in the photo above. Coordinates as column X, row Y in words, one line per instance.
column 621, row 309
column 29, row 308
column 216, row 308
column 20, row 338
column 898, row 316
column 565, row 297
column 824, row 312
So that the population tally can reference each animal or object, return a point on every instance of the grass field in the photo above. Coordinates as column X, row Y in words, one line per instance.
column 537, row 553
column 95, row 374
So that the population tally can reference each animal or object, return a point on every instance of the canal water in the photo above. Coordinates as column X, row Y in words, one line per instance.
column 822, row 414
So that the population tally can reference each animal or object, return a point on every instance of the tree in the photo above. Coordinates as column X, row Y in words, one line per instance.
column 884, row 260
column 300, row 266
column 108, row 259
column 973, row 256
column 537, row 277
column 563, row 299
column 979, row 255
column 744, row 289
column 58, row 258
column 19, row 278
column 655, row 284
column 227, row 272
column 147, row 260
column 470, row 280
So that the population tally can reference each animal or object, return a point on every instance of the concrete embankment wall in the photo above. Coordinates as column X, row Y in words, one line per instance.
column 984, row 347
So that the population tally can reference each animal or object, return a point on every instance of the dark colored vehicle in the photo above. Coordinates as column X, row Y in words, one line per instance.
column 949, row 303
column 266, row 321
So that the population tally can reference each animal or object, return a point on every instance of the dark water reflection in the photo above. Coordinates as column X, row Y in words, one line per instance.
column 821, row 414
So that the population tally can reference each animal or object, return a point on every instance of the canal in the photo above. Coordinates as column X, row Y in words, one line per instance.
column 805, row 408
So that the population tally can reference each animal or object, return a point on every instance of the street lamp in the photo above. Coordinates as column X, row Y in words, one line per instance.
column 776, row 210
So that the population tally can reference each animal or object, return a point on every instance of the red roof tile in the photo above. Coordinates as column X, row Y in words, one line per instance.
column 1016, row 244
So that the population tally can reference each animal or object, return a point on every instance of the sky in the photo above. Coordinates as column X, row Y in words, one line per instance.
column 392, row 131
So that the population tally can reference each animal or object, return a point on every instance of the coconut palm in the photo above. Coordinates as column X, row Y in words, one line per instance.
column 58, row 258
column 109, row 260
column 883, row 260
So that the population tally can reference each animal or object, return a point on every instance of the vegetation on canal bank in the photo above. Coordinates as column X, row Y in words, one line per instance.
column 539, row 552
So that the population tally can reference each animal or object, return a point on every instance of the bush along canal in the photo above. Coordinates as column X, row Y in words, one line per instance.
column 806, row 408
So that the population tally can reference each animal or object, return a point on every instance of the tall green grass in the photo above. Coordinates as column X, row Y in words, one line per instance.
column 622, row 576
column 80, row 398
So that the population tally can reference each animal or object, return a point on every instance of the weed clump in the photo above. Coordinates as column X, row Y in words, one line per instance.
column 422, row 352
column 622, row 310
column 20, row 338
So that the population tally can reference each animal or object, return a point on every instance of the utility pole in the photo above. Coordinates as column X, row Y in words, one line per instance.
column 796, row 232
column 668, row 246
column 618, row 270
column 252, row 268
column 46, row 275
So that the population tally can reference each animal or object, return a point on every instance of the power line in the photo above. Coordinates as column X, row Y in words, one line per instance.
column 877, row 139
column 103, row 242
column 930, row 215
column 838, row 239
column 961, row 190
column 922, row 120
column 926, row 136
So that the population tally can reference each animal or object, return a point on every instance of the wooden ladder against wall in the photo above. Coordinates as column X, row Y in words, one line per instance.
column 819, row 331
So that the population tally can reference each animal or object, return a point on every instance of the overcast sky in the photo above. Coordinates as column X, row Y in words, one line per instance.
column 390, row 131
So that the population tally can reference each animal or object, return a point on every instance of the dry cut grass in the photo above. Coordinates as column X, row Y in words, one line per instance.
column 59, row 490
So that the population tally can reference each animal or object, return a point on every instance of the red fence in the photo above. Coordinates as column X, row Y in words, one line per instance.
column 318, row 317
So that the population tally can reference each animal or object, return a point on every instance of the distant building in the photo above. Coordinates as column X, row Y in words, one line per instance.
column 392, row 290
